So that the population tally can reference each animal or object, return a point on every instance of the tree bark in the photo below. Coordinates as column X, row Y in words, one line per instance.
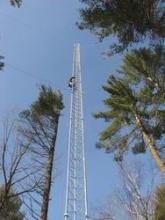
column 48, row 178
column 150, row 144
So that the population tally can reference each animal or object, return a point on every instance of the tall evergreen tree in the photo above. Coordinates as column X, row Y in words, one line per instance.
column 136, row 114
column 40, row 128
column 129, row 21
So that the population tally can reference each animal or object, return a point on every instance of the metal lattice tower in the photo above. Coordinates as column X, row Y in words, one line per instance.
column 76, row 191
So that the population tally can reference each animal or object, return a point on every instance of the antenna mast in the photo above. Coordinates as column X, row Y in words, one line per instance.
column 76, row 189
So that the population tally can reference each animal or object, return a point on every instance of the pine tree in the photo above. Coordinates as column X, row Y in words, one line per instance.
column 129, row 21
column 135, row 114
column 40, row 128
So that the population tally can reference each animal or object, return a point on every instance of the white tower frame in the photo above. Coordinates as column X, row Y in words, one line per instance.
column 76, row 187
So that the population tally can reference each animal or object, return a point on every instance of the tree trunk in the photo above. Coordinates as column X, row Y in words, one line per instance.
column 48, row 178
column 150, row 144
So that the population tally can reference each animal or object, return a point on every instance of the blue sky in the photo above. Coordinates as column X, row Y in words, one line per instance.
column 37, row 42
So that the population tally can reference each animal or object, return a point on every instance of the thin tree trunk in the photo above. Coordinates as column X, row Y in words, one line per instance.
column 150, row 144
column 48, row 178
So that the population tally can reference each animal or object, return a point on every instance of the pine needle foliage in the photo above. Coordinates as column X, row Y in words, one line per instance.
column 43, row 114
column 49, row 103
column 129, row 21
column 11, row 208
column 16, row 3
column 1, row 62
column 137, row 92
column 159, row 211
column 39, row 123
